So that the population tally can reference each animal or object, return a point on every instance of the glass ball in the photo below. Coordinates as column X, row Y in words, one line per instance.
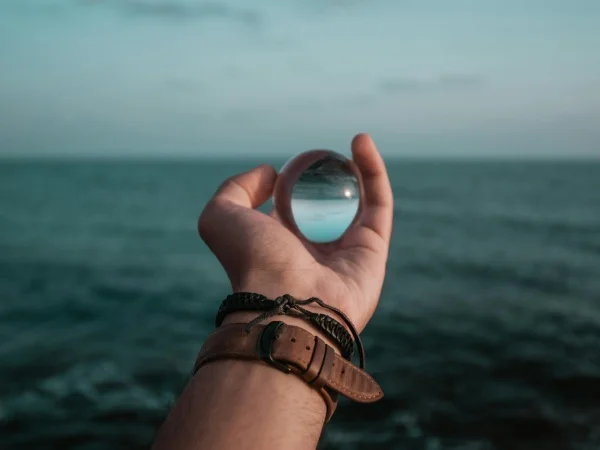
column 317, row 194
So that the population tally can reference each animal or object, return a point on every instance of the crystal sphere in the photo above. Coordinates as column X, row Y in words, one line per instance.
column 317, row 193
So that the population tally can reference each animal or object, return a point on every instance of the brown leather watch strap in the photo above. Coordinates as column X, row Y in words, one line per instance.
column 293, row 350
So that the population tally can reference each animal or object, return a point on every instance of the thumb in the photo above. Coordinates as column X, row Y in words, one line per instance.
column 249, row 189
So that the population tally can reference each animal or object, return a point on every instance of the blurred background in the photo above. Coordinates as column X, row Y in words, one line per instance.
column 119, row 118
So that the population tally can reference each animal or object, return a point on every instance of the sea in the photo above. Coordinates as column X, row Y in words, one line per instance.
column 487, row 335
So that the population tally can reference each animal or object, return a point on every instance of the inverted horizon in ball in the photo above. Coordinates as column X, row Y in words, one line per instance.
column 318, row 194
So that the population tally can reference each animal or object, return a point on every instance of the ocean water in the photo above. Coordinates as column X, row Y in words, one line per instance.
column 487, row 335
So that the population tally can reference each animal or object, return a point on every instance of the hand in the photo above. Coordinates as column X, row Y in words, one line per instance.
column 261, row 255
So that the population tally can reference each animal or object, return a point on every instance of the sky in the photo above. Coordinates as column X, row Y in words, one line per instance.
column 245, row 78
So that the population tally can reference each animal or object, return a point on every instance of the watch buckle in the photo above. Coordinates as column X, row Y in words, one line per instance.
column 265, row 343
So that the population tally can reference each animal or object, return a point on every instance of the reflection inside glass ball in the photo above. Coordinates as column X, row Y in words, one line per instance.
column 325, row 196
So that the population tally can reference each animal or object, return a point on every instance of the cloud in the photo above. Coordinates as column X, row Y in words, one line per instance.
column 180, row 10
column 443, row 83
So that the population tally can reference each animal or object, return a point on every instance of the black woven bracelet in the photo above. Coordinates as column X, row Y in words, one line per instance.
column 288, row 305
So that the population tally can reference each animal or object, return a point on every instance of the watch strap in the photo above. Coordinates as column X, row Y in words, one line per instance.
column 294, row 350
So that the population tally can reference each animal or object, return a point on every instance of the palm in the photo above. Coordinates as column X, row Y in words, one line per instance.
column 255, row 248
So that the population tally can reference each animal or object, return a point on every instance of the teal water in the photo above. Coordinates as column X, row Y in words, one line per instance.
column 487, row 335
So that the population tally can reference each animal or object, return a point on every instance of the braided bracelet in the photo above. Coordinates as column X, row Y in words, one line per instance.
column 288, row 305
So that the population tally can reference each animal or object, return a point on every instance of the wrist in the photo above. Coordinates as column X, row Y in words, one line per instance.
column 272, row 291
column 248, row 316
column 333, row 293
column 273, row 287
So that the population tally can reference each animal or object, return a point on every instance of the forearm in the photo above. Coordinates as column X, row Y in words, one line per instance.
column 244, row 405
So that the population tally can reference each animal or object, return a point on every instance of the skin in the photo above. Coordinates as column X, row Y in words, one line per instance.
column 248, row 405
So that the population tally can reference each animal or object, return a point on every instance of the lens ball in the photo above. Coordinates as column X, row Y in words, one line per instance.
column 317, row 193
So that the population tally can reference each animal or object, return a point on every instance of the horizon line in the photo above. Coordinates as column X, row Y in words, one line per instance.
column 240, row 158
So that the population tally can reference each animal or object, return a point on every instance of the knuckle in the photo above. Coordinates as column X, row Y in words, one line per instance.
column 230, row 184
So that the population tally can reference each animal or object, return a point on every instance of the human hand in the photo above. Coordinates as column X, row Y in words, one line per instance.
column 261, row 255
